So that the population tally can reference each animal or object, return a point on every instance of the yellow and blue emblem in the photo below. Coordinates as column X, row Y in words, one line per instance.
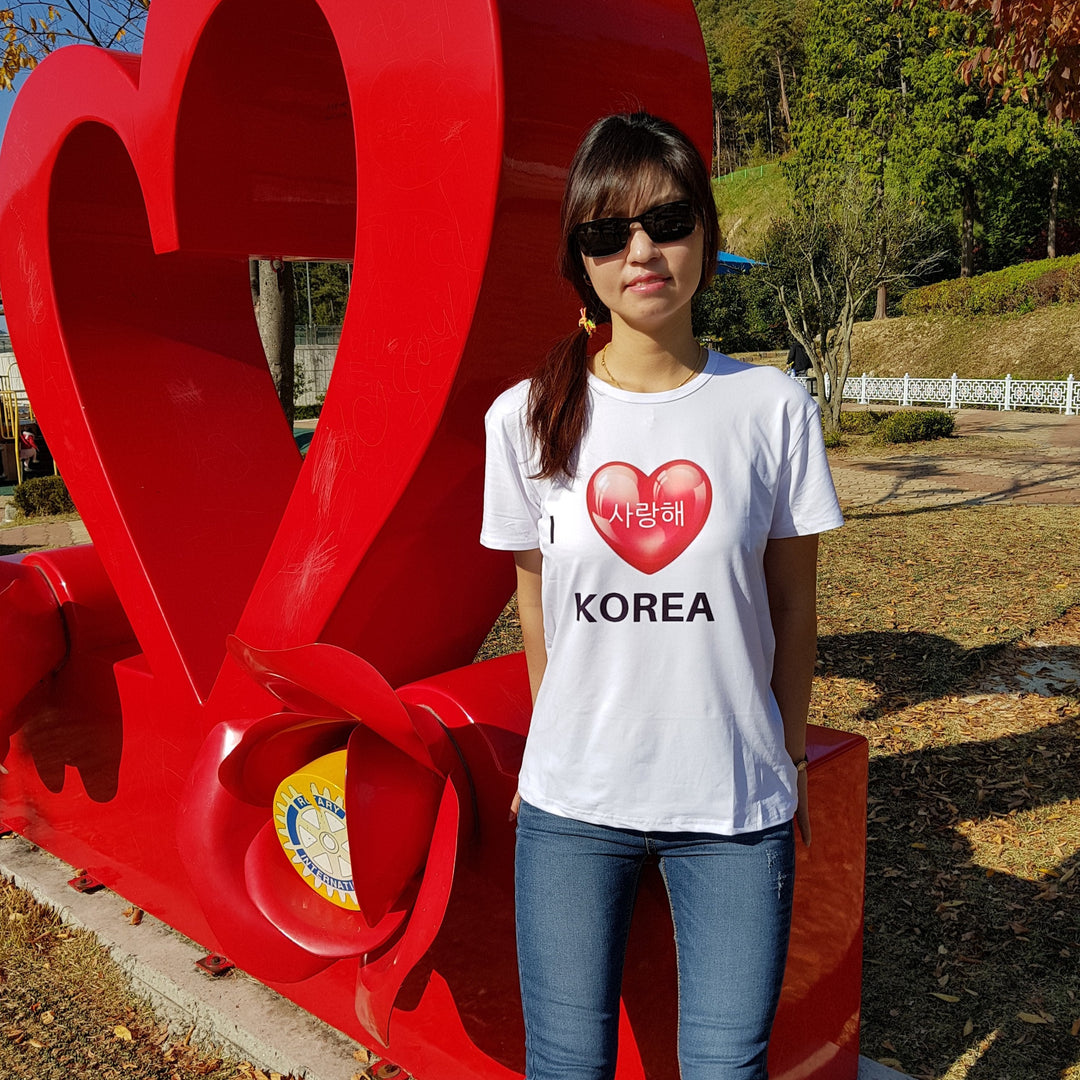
column 309, row 813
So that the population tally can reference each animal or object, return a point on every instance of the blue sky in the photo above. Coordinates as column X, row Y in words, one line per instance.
column 7, row 99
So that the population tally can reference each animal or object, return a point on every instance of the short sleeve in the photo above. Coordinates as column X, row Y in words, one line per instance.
column 511, row 499
column 806, row 500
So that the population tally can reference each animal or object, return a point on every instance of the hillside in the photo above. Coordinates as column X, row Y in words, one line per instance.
column 747, row 201
column 1044, row 344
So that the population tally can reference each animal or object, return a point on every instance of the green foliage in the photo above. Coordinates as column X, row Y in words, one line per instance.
column 740, row 313
column 756, row 51
column 907, row 426
column 329, row 292
column 863, row 422
column 1014, row 290
column 826, row 261
column 307, row 412
column 833, row 439
column 42, row 496
column 881, row 98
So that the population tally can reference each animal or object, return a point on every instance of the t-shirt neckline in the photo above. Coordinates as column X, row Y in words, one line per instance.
column 601, row 386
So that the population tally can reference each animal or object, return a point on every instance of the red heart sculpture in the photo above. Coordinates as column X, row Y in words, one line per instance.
column 648, row 521
column 427, row 143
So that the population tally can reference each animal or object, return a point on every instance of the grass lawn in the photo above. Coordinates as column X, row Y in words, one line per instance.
column 747, row 202
column 973, row 895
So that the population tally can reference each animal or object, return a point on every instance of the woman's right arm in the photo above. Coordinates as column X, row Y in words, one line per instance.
column 531, row 614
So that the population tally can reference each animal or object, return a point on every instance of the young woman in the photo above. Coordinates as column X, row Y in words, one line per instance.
column 663, row 505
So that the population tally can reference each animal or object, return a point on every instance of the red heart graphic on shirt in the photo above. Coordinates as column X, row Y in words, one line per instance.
column 648, row 521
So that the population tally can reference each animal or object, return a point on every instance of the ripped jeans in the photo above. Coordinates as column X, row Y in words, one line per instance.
column 731, row 905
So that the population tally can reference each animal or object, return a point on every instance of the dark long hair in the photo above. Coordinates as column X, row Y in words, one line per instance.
column 619, row 156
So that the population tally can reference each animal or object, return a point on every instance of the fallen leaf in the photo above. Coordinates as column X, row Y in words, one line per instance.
column 121, row 1032
column 946, row 997
column 1075, row 1029
column 47, row 1018
column 1032, row 1018
column 969, row 1027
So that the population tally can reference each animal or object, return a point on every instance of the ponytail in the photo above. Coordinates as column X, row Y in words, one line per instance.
column 558, row 402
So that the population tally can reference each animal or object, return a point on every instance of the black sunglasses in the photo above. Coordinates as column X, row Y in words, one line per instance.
column 608, row 236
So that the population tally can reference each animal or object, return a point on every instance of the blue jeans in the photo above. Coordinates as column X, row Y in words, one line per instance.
column 731, row 905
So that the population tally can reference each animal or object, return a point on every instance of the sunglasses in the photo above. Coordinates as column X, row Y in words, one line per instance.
column 608, row 236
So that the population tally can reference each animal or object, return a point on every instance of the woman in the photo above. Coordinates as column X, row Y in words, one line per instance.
column 663, row 505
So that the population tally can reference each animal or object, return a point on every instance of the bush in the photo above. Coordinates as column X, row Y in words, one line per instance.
column 306, row 412
column 1014, row 290
column 909, row 426
column 833, row 439
column 860, row 423
column 42, row 496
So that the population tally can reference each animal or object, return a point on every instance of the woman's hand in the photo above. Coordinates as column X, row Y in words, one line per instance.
column 802, row 811
column 515, row 803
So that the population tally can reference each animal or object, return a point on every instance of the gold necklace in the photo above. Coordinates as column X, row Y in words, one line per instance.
column 695, row 370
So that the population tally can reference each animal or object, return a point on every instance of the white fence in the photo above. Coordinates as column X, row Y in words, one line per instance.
column 1007, row 393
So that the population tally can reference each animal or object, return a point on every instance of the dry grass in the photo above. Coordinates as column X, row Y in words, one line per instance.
column 973, row 905
column 67, row 1011
column 1044, row 344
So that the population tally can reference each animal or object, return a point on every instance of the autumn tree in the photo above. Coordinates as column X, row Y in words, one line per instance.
column 31, row 29
column 826, row 260
column 1037, row 38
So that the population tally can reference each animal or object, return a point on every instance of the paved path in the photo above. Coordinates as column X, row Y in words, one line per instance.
column 1037, row 461
column 51, row 535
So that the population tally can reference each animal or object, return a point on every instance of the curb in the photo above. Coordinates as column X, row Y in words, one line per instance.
column 237, row 1013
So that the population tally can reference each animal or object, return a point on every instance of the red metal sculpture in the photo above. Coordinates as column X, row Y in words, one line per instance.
column 209, row 687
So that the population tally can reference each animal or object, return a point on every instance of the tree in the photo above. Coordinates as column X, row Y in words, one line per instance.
column 952, row 142
column 322, row 291
column 882, row 96
column 1038, row 38
column 853, row 98
column 32, row 30
column 756, row 54
column 827, row 259
column 273, row 294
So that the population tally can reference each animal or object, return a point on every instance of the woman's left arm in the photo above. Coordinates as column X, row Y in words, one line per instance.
column 791, row 578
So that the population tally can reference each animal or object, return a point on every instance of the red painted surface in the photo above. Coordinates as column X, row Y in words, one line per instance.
column 428, row 143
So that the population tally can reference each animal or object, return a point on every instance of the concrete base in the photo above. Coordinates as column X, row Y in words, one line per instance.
column 236, row 1013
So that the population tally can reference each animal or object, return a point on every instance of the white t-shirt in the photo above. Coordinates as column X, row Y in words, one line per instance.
column 655, row 711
